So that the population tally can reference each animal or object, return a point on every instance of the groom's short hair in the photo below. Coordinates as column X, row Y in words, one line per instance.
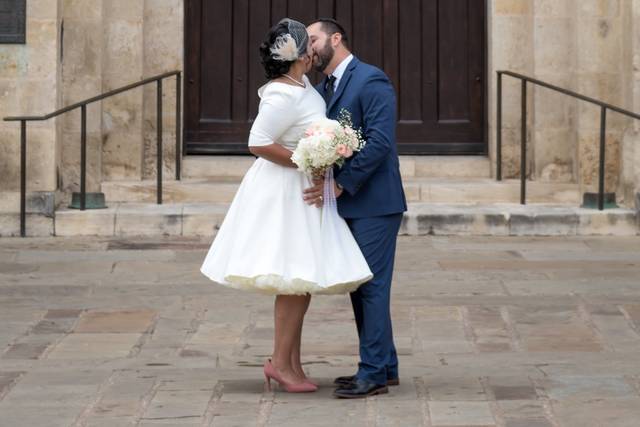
column 331, row 26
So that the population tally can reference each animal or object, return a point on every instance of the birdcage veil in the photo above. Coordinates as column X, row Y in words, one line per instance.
column 293, row 44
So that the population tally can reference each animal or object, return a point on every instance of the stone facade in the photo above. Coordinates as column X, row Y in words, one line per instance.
column 589, row 46
column 30, row 84
column 76, row 49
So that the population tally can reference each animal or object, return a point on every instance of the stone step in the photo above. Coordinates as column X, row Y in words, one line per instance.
column 205, row 167
column 139, row 219
column 417, row 189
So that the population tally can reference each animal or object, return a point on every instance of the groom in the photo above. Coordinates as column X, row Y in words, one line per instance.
column 370, row 197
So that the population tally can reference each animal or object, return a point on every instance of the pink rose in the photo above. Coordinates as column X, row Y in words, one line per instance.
column 344, row 151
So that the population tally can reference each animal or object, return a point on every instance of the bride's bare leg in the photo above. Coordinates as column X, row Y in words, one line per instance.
column 288, row 315
column 296, row 362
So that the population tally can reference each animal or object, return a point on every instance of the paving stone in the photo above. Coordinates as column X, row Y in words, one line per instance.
column 14, row 268
column 36, row 416
column 45, row 396
column 528, row 422
column 512, row 388
column 126, row 421
column 57, row 326
column 522, row 409
column 94, row 346
column 461, row 414
column 127, row 321
column 454, row 388
column 217, row 333
column 622, row 412
column 617, row 332
column 44, row 290
column 235, row 414
column 633, row 310
column 62, row 314
column 177, row 404
column 398, row 413
column 584, row 387
column 7, row 380
column 26, row 350
column 315, row 413
column 481, row 324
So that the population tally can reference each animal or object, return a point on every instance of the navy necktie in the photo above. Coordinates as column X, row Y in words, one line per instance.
column 329, row 90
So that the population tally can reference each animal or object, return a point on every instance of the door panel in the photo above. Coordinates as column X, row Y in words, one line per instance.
column 432, row 50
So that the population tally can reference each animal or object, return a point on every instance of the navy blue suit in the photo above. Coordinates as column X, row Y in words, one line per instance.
column 372, row 204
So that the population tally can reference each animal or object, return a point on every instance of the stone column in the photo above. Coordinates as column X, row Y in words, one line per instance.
column 510, row 48
column 599, row 75
column 122, row 52
column 29, row 86
column 81, row 79
column 553, row 125
column 163, row 51
column 629, row 189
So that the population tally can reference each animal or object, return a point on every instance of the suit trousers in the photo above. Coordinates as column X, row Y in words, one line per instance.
column 376, row 237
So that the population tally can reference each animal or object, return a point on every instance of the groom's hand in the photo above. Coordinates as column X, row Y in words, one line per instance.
column 313, row 195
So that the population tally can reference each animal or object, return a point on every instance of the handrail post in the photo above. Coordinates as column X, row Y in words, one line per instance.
column 83, row 157
column 523, row 146
column 603, row 127
column 499, row 130
column 178, row 125
column 159, row 142
column 23, row 177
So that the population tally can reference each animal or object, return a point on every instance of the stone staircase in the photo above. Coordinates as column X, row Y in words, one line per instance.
column 446, row 195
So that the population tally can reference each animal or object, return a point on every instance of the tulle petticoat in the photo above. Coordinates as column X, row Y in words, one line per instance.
column 272, row 242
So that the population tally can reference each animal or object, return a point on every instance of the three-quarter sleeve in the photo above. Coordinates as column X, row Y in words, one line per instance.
column 275, row 115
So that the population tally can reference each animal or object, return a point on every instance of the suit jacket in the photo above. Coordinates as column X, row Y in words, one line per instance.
column 371, row 177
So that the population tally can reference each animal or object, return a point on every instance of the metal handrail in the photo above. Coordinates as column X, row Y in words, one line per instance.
column 83, row 136
column 523, row 137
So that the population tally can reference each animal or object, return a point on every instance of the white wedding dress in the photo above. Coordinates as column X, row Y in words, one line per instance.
column 271, row 241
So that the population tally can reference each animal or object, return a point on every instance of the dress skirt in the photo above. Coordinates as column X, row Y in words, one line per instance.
column 272, row 242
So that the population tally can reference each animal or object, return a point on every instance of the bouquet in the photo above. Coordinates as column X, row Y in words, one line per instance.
column 326, row 143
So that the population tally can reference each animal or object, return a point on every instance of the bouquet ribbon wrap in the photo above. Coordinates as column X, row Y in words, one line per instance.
column 332, row 232
column 330, row 205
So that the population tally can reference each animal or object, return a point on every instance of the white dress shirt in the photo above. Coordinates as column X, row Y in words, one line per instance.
column 339, row 71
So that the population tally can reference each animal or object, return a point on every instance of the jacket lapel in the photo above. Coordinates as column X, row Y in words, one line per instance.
column 344, row 81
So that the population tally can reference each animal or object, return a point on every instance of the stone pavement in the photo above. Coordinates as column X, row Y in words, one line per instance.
column 516, row 332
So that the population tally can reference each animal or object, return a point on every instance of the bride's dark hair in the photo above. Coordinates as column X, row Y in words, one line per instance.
column 274, row 68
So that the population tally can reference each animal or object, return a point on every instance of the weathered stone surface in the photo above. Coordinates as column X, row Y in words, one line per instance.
column 95, row 346
column 151, row 345
column 145, row 220
column 95, row 222
column 128, row 321
column 461, row 414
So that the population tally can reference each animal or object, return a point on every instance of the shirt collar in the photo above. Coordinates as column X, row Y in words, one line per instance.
column 342, row 67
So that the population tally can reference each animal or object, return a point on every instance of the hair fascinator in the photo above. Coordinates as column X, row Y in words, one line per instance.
column 293, row 44
column 285, row 48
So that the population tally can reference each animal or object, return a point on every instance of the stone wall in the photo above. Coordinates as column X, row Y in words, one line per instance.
column 29, row 85
column 583, row 45
column 135, row 40
column 587, row 45
column 630, row 176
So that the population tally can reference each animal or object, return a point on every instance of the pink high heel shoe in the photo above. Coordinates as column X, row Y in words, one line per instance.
column 271, row 373
column 310, row 381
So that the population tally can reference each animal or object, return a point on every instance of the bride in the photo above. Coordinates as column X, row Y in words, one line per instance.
column 271, row 241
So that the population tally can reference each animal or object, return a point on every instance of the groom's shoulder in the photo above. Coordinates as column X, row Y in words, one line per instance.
column 368, row 71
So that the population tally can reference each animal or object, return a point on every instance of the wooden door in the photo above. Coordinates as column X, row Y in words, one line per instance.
column 433, row 50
